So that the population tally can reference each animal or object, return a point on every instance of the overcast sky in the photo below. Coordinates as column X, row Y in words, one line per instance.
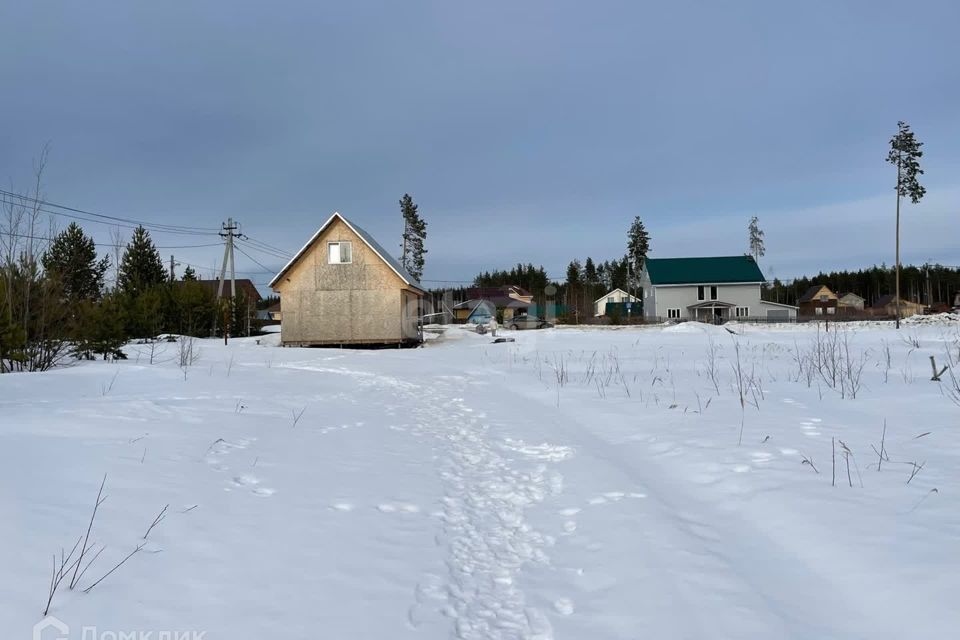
column 526, row 131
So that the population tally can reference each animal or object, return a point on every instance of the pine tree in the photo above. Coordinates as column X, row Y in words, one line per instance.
column 574, row 288
column 590, row 272
column 638, row 246
column 72, row 259
column 574, row 273
column 141, row 267
column 757, row 249
column 905, row 154
column 414, row 235
column 189, row 275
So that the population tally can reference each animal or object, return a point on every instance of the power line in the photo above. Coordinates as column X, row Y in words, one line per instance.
column 38, row 201
column 259, row 264
column 214, row 269
column 268, row 252
column 107, row 244
column 149, row 227
column 256, row 242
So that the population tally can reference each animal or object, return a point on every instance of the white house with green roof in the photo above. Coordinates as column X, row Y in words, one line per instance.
column 707, row 289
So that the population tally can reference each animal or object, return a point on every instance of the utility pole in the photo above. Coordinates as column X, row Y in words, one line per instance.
column 172, row 265
column 228, row 233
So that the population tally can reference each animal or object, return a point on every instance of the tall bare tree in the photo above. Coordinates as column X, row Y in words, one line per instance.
column 905, row 154
column 757, row 249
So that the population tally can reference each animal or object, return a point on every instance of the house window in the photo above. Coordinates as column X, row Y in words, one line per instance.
column 824, row 298
column 713, row 293
column 339, row 253
column 701, row 294
column 743, row 312
column 831, row 311
column 673, row 314
column 819, row 311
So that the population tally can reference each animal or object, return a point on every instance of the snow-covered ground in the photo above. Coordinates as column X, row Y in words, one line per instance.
column 583, row 484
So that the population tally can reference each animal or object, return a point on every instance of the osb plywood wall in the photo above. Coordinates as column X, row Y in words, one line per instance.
column 364, row 301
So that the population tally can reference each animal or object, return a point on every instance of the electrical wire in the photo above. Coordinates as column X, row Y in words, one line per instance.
column 271, row 253
column 47, row 203
column 255, row 261
column 149, row 227
column 266, row 246
column 113, row 246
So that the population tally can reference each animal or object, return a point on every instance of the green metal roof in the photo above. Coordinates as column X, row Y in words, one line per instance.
column 703, row 270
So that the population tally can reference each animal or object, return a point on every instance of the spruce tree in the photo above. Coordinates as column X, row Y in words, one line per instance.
column 905, row 154
column 590, row 272
column 141, row 266
column 414, row 235
column 757, row 249
column 72, row 260
column 638, row 246
column 574, row 288
column 189, row 275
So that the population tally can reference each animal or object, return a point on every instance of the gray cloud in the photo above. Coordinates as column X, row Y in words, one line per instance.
column 528, row 131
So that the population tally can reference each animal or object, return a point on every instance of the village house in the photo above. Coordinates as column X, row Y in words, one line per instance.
column 507, row 301
column 617, row 297
column 818, row 300
column 244, row 286
column 713, row 289
column 274, row 313
column 887, row 305
column 343, row 288
column 850, row 303
column 474, row 311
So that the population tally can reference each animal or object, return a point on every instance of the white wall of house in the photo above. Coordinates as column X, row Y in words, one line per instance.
column 679, row 297
column 672, row 301
column 617, row 295
column 649, row 296
column 774, row 310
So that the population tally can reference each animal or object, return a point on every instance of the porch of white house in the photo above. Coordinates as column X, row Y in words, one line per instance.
column 712, row 311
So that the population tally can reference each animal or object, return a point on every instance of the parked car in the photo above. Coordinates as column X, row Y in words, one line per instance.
column 524, row 321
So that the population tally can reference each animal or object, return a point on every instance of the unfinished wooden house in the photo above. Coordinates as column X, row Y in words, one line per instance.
column 343, row 288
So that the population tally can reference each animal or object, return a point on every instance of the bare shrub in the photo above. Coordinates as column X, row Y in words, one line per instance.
column 833, row 358
column 740, row 384
column 188, row 352
column 712, row 367
column 297, row 415
column 80, row 563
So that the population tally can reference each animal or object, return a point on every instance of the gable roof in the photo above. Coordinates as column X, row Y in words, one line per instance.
column 610, row 293
column 244, row 286
column 392, row 262
column 890, row 299
column 716, row 270
column 475, row 305
column 812, row 292
column 506, row 291
column 849, row 294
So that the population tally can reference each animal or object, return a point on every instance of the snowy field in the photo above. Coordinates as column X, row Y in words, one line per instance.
column 583, row 484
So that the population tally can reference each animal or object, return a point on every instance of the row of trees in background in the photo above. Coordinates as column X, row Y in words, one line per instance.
column 927, row 284
column 54, row 304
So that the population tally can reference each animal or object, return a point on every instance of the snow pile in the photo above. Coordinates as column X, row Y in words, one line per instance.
column 939, row 319
column 694, row 327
